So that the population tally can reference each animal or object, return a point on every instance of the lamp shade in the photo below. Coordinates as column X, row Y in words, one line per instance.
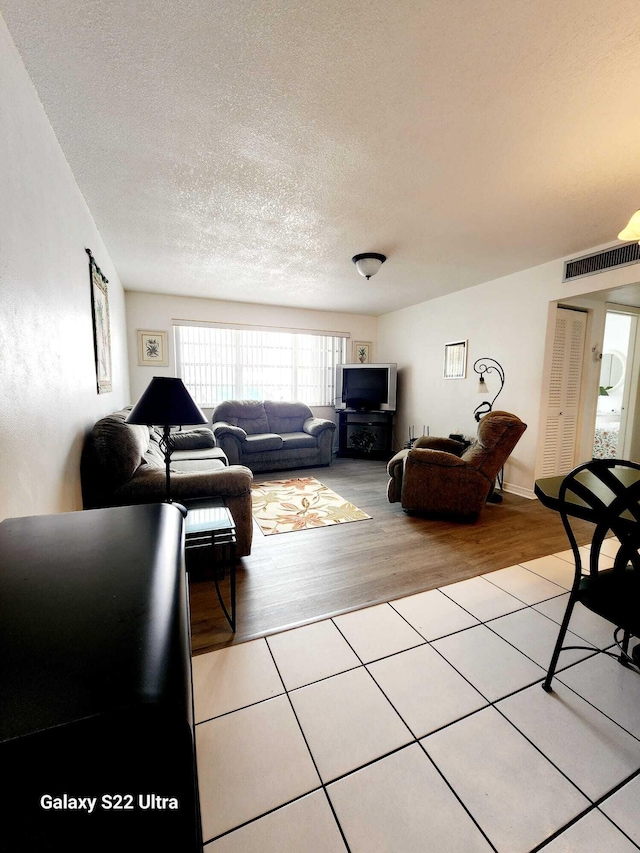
column 166, row 402
column 368, row 263
column 632, row 231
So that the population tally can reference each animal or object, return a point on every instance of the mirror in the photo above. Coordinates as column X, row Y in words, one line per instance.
column 611, row 370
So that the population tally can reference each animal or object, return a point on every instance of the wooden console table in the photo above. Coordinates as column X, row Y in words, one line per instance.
column 95, row 683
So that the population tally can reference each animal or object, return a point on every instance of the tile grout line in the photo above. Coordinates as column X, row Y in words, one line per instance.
column 457, row 796
column 493, row 703
column 322, row 782
column 260, row 816
column 602, row 651
column 595, row 806
column 593, row 649
column 415, row 739
column 418, row 739
column 523, row 606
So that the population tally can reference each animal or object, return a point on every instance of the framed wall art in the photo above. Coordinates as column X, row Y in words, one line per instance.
column 152, row 348
column 101, row 327
column 455, row 360
column 361, row 352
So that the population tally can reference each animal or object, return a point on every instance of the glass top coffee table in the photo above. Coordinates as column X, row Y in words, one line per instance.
column 209, row 524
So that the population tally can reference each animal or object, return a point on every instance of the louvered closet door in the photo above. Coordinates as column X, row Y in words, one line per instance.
column 561, row 430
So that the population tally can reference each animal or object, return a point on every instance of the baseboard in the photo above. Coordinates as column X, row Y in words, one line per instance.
column 519, row 490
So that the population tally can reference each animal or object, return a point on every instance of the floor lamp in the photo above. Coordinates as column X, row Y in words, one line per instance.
column 166, row 403
column 483, row 366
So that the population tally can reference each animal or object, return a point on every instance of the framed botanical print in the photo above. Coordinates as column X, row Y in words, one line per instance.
column 101, row 328
column 455, row 360
column 361, row 352
column 152, row 348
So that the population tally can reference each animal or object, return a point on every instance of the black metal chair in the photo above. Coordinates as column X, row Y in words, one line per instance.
column 606, row 492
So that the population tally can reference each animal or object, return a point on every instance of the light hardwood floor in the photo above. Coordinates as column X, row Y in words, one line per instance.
column 299, row 577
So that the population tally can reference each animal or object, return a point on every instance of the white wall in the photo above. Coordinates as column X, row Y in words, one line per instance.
column 505, row 319
column 48, row 396
column 156, row 313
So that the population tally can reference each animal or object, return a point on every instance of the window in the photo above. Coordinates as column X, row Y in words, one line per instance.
column 218, row 363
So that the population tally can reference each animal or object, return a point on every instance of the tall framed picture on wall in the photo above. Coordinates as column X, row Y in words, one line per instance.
column 101, row 327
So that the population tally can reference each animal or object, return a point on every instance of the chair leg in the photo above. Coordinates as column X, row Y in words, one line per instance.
column 625, row 648
column 546, row 684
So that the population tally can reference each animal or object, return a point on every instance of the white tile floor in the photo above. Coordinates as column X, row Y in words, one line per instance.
column 420, row 725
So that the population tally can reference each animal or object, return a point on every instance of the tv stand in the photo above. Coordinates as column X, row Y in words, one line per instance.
column 365, row 435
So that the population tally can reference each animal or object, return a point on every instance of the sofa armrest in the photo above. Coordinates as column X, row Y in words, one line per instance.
column 316, row 426
column 200, row 438
column 232, row 483
column 148, row 484
column 433, row 442
column 221, row 428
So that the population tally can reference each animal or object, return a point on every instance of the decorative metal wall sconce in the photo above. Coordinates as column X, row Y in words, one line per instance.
column 483, row 366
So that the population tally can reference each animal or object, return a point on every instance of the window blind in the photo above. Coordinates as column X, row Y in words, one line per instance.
column 221, row 363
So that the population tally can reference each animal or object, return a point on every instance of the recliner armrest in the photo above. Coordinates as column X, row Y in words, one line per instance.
column 439, row 458
column 394, row 465
column 434, row 442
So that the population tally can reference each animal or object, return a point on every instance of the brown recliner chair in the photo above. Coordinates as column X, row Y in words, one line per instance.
column 439, row 476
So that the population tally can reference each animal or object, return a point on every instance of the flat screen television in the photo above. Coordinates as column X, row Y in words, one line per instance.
column 366, row 387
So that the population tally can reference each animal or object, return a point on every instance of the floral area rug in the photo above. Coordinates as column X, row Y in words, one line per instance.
column 281, row 506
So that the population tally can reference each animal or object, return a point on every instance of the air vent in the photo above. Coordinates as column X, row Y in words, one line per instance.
column 621, row 256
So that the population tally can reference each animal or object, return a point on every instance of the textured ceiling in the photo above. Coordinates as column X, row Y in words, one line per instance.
column 246, row 149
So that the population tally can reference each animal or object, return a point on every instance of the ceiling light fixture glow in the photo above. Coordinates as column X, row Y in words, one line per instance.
column 632, row 231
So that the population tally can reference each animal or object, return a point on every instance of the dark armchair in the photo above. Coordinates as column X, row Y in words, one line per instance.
column 441, row 476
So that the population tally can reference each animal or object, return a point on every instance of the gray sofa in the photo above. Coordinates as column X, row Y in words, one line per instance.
column 268, row 435
column 123, row 464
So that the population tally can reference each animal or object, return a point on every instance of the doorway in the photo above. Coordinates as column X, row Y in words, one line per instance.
column 613, row 393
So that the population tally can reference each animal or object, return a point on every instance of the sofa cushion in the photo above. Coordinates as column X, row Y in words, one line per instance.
column 209, row 453
column 298, row 439
column 192, row 466
column 119, row 446
column 248, row 414
column 154, row 455
column 258, row 443
column 193, row 439
column 286, row 417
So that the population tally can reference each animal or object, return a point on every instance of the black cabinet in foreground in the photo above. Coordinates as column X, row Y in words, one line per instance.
column 96, row 710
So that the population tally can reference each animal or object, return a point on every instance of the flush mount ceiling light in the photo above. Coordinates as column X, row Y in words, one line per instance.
column 368, row 263
column 632, row 231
